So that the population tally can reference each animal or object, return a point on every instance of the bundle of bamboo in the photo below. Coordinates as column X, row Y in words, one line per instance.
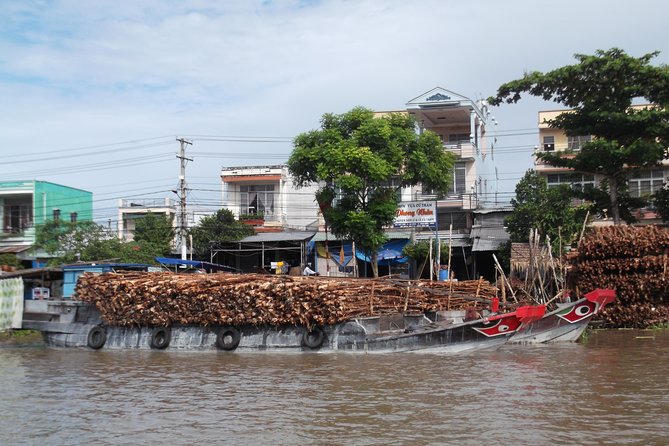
column 633, row 261
column 163, row 299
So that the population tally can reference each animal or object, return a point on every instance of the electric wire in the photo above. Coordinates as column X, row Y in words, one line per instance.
column 162, row 158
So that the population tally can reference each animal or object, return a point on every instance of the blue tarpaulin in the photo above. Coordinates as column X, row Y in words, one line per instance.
column 335, row 253
column 195, row 264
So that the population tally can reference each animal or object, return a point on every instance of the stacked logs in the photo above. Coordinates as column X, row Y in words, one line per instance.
column 164, row 299
column 632, row 260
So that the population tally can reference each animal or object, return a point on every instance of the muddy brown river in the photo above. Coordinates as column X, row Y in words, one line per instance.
column 612, row 389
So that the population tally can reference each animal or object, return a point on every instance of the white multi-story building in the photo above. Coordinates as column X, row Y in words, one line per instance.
column 129, row 211
column 268, row 193
column 462, row 125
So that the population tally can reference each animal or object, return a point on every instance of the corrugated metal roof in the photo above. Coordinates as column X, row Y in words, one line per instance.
column 15, row 249
column 488, row 238
column 456, row 241
column 32, row 272
column 505, row 209
column 486, row 245
column 287, row 236
column 489, row 232
column 392, row 235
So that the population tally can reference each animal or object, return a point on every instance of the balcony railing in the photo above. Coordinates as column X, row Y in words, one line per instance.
column 462, row 149
column 270, row 216
column 149, row 203
column 11, row 235
column 13, row 230
column 465, row 201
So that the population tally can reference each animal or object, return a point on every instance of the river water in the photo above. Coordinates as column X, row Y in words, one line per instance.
column 611, row 389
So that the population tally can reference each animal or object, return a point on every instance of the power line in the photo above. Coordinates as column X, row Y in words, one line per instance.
column 98, row 146
column 128, row 162
column 79, row 155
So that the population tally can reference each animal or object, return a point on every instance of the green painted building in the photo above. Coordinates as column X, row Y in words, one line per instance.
column 27, row 204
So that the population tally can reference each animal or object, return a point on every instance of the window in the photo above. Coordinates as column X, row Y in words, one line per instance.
column 457, row 185
column 73, row 217
column 396, row 184
column 458, row 182
column 549, row 143
column 643, row 184
column 577, row 181
column 56, row 214
column 576, row 143
column 16, row 217
column 460, row 221
column 458, row 138
column 257, row 199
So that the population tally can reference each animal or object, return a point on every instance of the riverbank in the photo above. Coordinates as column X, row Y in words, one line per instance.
column 20, row 337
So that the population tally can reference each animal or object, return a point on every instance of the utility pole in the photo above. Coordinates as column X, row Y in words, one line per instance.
column 183, row 223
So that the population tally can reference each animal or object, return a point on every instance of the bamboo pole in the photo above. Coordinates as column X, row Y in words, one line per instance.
column 585, row 222
column 371, row 299
column 422, row 267
column 431, row 261
column 501, row 271
column 406, row 300
column 450, row 242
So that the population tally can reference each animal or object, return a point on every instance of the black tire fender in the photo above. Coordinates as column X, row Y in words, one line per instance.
column 97, row 337
column 160, row 338
column 228, row 338
column 313, row 338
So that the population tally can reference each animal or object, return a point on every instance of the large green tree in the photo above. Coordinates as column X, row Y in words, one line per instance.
column 548, row 210
column 360, row 162
column 216, row 228
column 599, row 92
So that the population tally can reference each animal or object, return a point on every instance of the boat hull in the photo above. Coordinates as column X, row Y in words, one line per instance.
column 565, row 324
column 551, row 328
column 82, row 327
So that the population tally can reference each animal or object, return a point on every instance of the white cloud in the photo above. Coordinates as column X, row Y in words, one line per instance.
column 82, row 73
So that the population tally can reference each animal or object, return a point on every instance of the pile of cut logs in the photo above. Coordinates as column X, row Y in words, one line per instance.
column 632, row 260
column 163, row 299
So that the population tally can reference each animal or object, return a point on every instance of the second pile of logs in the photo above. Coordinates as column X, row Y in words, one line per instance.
column 632, row 260
column 163, row 299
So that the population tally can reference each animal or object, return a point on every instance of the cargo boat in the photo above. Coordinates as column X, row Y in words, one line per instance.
column 79, row 324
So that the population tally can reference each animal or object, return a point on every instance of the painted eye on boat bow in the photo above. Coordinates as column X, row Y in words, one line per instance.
column 579, row 312
column 499, row 327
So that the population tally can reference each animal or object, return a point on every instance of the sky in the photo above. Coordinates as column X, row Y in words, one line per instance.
column 95, row 93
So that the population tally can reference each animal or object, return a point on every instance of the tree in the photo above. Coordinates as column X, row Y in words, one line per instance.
column 548, row 210
column 68, row 242
column 599, row 91
column 360, row 162
column 155, row 232
column 219, row 227
column 87, row 241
